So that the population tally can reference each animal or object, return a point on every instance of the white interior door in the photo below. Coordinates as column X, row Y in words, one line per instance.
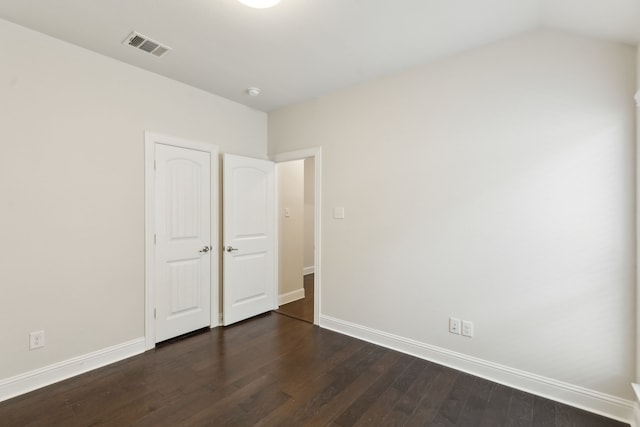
column 183, row 240
column 249, row 270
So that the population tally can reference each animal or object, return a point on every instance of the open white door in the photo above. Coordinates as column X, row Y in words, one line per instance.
column 183, row 240
column 249, row 270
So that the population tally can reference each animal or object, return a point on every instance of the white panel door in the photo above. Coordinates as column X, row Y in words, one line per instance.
column 183, row 240
column 249, row 270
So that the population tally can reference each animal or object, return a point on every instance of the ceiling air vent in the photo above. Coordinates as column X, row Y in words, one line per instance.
column 144, row 43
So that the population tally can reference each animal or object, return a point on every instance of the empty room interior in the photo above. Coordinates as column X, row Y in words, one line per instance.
column 444, row 192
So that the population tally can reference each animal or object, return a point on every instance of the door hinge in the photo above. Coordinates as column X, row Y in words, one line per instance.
column 154, row 165
column 154, row 313
column 154, row 238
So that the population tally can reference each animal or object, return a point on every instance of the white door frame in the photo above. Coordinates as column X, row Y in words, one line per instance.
column 316, row 154
column 150, row 141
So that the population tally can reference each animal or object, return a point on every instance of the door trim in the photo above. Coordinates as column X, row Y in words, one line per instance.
column 316, row 154
column 150, row 141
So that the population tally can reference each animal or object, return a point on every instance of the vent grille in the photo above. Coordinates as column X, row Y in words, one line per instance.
column 136, row 41
column 160, row 50
column 148, row 46
column 144, row 43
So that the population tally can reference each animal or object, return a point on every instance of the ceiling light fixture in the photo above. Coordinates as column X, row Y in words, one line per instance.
column 253, row 91
column 260, row 4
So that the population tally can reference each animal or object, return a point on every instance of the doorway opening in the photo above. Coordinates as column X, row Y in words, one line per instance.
column 296, row 244
column 299, row 219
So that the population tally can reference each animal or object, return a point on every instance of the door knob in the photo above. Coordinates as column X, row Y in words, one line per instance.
column 231, row 248
column 205, row 249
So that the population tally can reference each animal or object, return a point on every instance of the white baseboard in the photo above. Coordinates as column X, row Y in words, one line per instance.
column 38, row 378
column 589, row 400
column 636, row 409
column 291, row 296
column 308, row 270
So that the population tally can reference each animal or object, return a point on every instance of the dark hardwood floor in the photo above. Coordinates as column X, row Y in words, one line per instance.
column 277, row 371
column 303, row 308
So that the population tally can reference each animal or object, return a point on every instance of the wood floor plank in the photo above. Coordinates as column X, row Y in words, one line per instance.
column 567, row 416
column 452, row 406
column 520, row 409
column 343, row 375
column 380, row 408
column 357, row 408
column 274, row 370
column 477, row 402
column 388, row 399
column 544, row 412
column 351, row 389
column 409, row 401
column 496, row 411
column 304, row 385
column 430, row 405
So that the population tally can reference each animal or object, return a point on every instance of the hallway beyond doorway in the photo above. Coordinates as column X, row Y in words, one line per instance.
column 301, row 309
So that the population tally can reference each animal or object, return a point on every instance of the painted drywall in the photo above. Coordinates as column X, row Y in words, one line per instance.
column 309, row 210
column 637, row 98
column 496, row 186
column 290, row 227
column 72, row 128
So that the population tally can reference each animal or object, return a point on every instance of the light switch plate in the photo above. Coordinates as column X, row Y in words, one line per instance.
column 338, row 212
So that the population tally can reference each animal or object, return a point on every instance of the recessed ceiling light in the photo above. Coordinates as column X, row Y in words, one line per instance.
column 253, row 91
column 260, row 4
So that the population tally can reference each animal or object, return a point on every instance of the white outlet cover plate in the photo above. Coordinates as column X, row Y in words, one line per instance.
column 467, row 328
column 454, row 325
column 36, row 340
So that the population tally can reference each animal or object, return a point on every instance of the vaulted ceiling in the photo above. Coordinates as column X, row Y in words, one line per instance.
column 302, row 49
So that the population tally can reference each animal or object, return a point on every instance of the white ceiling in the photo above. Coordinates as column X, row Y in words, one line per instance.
column 302, row 49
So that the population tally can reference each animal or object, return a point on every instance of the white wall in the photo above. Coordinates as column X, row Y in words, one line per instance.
column 637, row 98
column 496, row 186
column 309, row 212
column 72, row 188
column 291, row 228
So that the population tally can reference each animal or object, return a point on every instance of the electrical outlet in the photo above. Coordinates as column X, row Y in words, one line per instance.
column 36, row 340
column 454, row 325
column 467, row 328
